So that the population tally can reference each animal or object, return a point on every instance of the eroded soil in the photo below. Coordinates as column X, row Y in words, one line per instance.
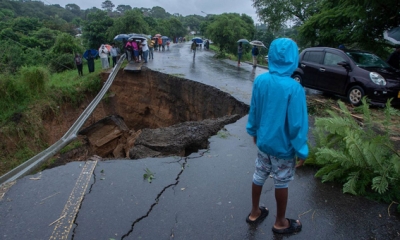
column 148, row 114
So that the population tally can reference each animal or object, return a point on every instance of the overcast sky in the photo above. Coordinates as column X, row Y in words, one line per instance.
column 183, row 7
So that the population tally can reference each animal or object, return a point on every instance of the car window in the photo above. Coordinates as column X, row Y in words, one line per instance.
column 363, row 59
column 313, row 56
column 332, row 59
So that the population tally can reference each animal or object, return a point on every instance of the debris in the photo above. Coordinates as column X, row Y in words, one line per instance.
column 58, row 219
column 49, row 197
column 148, row 175
column 387, row 210
column 304, row 213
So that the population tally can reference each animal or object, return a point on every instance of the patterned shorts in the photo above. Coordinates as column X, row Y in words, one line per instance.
column 281, row 170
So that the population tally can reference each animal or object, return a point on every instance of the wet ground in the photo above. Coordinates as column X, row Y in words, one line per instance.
column 205, row 195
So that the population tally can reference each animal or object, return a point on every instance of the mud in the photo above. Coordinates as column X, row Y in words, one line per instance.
column 149, row 114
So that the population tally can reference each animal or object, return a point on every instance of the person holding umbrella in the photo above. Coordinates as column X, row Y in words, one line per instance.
column 254, row 53
column 394, row 58
column 160, row 43
column 89, row 55
column 151, row 48
column 240, row 52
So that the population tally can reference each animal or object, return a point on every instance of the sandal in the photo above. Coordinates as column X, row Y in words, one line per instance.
column 263, row 215
column 294, row 226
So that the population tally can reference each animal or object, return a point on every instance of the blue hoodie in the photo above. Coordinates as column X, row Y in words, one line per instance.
column 278, row 110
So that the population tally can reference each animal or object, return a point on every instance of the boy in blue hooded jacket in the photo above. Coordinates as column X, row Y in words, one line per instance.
column 278, row 122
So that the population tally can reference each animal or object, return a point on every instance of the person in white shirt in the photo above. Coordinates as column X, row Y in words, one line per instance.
column 145, row 50
column 103, row 53
column 114, row 54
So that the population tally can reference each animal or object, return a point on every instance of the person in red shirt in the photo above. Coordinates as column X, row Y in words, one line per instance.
column 159, row 43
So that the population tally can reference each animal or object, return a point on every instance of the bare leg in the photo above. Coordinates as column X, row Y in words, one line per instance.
column 281, row 197
column 255, row 200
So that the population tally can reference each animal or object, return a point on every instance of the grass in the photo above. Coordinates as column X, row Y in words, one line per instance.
column 28, row 97
column 74, row 144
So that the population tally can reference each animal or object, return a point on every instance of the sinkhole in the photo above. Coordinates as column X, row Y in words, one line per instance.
column 152, row 114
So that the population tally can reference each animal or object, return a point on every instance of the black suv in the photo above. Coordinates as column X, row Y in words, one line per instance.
column 350, row 73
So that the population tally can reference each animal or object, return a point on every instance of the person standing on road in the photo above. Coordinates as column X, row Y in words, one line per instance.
column 135, row 51
column 145, row 50
column 240, row 52
column 103, row 53
column 129, row 51
column 114, row 54
column 254, row 53
column 193, row 47
column 160, row 42
column 78, row 62
column 278, row 123
column 394, row 58
column 151, row 43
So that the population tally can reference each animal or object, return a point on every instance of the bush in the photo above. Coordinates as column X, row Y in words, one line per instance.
column 361, row 156
column 62, row 62
column 12, row 96
column 34, row 79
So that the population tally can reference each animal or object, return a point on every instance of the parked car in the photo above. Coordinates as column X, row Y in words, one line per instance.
column 349, row 73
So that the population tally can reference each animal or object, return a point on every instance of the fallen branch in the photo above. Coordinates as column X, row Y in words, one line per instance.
column 49, row 196
column 388, row 210
column 304, row 213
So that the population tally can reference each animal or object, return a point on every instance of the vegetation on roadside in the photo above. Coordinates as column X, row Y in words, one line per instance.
column 30, row 96
column 358, row 154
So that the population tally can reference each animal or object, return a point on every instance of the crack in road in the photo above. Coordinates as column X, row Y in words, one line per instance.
column 162, row 191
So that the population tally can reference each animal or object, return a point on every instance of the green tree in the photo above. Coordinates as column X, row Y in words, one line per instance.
column 6, row 14
column 75, row 9
column 95, row 28
column 65, row 43
column 108, row 6
column 153, row 25
column 226, row 29
column 131, row 22
column 12, row 57
column 275, row 13
column 123, row 8
column 176, row 28
column 62, row 53
column 25, row 24
column 159, row 12
column 349, row 23
column 193, row 22
column 46, row 37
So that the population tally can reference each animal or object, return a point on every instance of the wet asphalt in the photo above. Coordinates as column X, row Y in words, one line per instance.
column 206, row 195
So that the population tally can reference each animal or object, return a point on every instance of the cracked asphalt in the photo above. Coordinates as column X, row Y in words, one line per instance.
column 206, row 195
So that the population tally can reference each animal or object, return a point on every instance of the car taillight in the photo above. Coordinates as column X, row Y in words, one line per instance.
column 377, row 78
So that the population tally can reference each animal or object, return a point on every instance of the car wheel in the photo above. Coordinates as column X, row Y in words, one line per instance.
column 298, row 79
column 355, row 94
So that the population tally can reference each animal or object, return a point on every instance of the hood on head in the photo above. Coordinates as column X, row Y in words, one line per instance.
column 283, row 57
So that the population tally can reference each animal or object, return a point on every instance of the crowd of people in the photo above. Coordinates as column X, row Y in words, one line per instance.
column 136, row 50
column 104, row 52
